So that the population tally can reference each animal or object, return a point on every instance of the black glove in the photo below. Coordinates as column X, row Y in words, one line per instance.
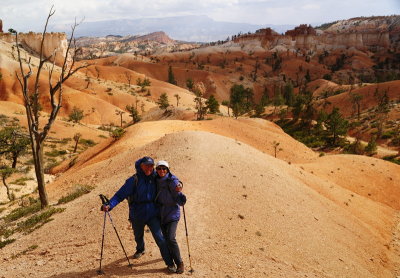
column 181, row 199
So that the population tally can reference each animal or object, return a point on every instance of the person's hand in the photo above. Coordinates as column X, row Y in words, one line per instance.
column 182, row 199
column 105, row 208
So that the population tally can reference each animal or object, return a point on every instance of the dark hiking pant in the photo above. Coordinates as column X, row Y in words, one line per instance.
column 169, row 232
column 155, row 228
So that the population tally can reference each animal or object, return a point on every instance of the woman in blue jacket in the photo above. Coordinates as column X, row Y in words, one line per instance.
column 170, row 197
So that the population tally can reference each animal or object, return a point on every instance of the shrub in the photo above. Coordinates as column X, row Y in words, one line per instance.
column 117, row 133
column 79, row 191
column 55, row 153
column 76, row 115
column 7, row 241
column 87, row 142
column 36, row 221
column 22, row 211
column 21, row 181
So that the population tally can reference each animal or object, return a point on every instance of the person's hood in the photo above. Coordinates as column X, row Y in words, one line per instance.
column 139, row 170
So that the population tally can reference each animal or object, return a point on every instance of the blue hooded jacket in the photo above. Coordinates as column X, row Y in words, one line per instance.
column 143, row 195
column 168, row 198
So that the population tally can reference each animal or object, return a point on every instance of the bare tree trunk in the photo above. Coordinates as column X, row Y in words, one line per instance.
column 9, row 196
column 39, row 170
column 14, row 159
column 38, row 134
column 76, row 146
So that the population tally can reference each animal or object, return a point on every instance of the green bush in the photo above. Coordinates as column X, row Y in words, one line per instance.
column 117, row 133
column 36, row 221
column 22, row 211
column 55, row 153
column 4, row 243
column 87, row 142
column 392, row 158
column 79, row 191
column 21, row 181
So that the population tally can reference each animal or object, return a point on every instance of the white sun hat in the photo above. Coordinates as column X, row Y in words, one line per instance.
column 162, row 163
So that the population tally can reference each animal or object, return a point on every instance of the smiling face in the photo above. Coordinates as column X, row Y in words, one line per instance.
column 162, row 171
column 147, row 168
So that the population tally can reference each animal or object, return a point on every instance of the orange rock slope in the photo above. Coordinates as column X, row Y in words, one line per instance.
column 249, row 214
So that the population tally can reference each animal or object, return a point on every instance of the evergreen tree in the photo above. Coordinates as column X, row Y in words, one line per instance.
column 288, row 93
column 212, row 105
column 199, row 90
column 13, row 143
column 190, row 84
column 76, row 115
column 241, row 99
column 171, row 76
column 336, row 125
column 162, row 101
column 133, row 113
column 372, row 146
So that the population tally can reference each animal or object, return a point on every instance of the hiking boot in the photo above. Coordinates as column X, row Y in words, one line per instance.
column 171, row 269
column 180, row 269
column 138, row 254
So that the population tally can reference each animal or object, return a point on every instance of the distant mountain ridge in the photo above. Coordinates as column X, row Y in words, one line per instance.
column 187, row 28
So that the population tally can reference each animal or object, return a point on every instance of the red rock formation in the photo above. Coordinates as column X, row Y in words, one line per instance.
column 303, row 29
column 1, row 26
column 373, row 34
column 31, row 42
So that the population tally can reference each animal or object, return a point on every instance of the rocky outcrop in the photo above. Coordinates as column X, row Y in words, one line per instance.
column 1, row 26
column 53, row 43
column 372, row 34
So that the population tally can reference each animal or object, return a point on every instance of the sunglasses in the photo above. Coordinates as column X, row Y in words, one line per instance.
column 162, row 168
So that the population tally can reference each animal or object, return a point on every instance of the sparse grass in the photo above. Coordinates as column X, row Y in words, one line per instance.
column 2, row 209
column 87, row 142
column 21, row 212
column 30, row 248
column 5, row 232
column 55, row 153
column 102, row 136
column 392, row 158
column 79, row 191
column 7, row 241
column 36, row 221
column 21, row 181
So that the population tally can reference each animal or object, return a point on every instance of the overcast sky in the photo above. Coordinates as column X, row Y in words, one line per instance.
column 29, row 15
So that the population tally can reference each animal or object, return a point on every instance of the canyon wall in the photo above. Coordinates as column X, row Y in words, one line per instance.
column 366, row 34
column 53, row 43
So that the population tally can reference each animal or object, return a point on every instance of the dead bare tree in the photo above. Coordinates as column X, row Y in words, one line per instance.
column 37, row 133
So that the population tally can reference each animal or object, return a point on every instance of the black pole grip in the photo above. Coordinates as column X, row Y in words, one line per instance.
column 104, row 200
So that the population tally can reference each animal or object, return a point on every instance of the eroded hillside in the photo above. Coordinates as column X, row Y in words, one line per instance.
column 248, row 213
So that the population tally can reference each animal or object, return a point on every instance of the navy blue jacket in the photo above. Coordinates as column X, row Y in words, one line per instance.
column 168, row 198
column 144, row 193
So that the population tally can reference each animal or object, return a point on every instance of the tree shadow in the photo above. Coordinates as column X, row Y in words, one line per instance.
column 119, row 267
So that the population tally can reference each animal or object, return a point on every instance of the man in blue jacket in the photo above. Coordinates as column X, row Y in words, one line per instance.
column 141, row 190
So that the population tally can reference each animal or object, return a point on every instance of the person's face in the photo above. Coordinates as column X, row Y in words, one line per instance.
column 147, row 168
column 162, row 171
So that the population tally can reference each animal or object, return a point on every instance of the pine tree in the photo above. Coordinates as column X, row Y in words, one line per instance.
column 336, row 125
column 162, row 101
column 212, row 105
column 133, row 113
column 171, row 76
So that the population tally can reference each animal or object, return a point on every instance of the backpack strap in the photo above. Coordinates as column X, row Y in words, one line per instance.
column 131, row 198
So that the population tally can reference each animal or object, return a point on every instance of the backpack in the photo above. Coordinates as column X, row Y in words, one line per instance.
column 131, row 198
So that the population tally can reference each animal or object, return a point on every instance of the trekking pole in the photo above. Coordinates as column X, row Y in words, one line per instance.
column 187, row 240
column 105, row 201
column 100, row 271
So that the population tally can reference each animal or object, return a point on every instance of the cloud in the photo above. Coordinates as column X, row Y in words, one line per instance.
column 30, row 15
